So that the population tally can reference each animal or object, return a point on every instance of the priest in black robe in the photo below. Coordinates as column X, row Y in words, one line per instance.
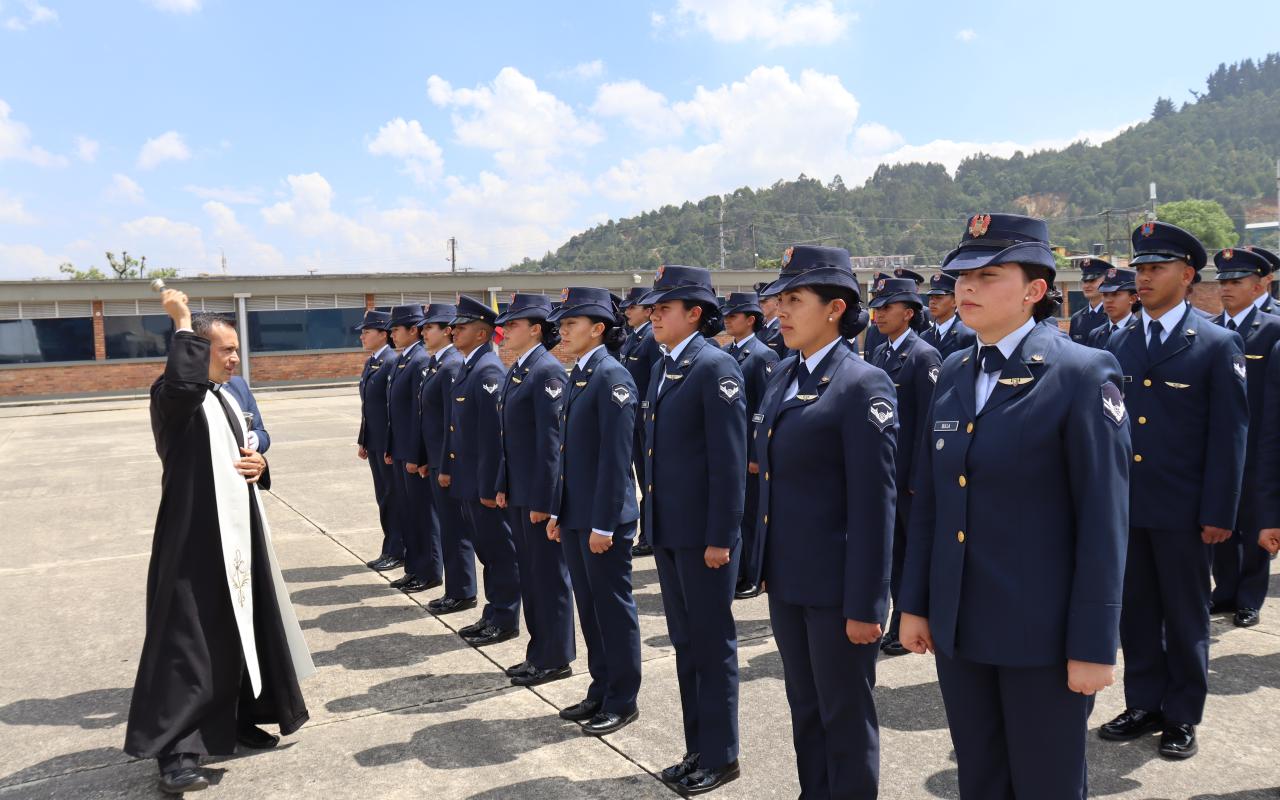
column 223, row 651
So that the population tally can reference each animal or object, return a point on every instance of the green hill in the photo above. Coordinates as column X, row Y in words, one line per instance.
column 1221, row 147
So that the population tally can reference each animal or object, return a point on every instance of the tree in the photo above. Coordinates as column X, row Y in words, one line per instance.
column 1164, row 108
column 128, row 267
column 90, row 274
column 1206, row 219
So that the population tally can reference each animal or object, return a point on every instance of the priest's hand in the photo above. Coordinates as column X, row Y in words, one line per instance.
column 716, row 557
column 599, row 544
column 251, row 466
column 753, row 468
column 1087, row 678
column 175, row 305
column 362, row 453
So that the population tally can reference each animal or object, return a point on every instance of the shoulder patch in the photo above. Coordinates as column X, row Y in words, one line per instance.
column 554, row 387
column 933, row 374
column 880, row 413
column 1237, row 364
column 489, row 386
column 620, row 393
column 1113, row 403
column 729, row 389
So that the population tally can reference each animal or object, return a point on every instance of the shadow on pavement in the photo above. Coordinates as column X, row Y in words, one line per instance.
column 364, row 618
column 319, row 574
column 340, row 595
column 387, row 650
column 98, row 708
column 629, row 787
column 423, row 694
column 1242, row 673
column 470, row 743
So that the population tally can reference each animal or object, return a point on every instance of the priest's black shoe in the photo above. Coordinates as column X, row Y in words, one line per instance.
column 580, row 712
column 419, row 585
column 1178, row 740
column 403, row 581
column 745, row 590
column 450, row 605
column 473, row 628
column 518, row 669
column 1246, row 618
column 893, row 647
column 537, row 677
column 641, row 549
column 607, row 722
column 490, row 634
column 1131, row 724
column 186, row 779
column 384, row 563
column 675, row 772
column 705, row 780
column 256, row 738
column 1221, row 607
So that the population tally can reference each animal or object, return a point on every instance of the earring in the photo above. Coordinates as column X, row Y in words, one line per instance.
column 831, row 319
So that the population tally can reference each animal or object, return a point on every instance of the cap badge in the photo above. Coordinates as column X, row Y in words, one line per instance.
column 658, row 277
column 1228, row 254
column 1084, row 263
column 1148, row 228
column 564, row 295
column 880, row 285
column 1111, row 273
column 979, row 224
column 787, row 254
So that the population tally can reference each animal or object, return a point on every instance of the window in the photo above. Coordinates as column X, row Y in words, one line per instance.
column 311, row 329
column 33, row 341
column 145, row 336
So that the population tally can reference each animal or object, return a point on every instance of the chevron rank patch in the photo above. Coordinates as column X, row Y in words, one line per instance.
column 490, row 387
column 1113, row 403
column 880, row 413
column 729, row 389
column 1237, row 364
column 620, row 393
column 933, row 374
column 553, row 388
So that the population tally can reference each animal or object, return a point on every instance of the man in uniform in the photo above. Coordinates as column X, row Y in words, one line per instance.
column 948, row 333
column 1268, row 305
column 1119, row 292
column 1092, row 271
column 770, row 334
column 375, row 337
column 1241, row 569
column 639, row 353
column 1184, row 384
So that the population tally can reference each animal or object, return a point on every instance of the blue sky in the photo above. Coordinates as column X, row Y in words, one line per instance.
column 352, row 137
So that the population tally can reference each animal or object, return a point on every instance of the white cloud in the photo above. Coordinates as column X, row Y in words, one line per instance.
column 950, row 153
column 36, row 14
column 524, row 126
column 243, row 251
column 584, row 71
column 86, row 149
column 771, row 22
column 13, row 212
column 309, row 211
column 123, row 189
column 639, row 107
column 166, row 243
column 15, row 143
column 168, row 146
column 176, row 6
column 21, row 261
column 230, row 195
column 967, row 35
column 421, row 156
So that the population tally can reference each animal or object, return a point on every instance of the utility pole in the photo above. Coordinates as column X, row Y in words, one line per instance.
column 1151, row 215
column 1108, row 248
column 224, row 260
column 721, row 232
column 755, row 254
column 453, row 254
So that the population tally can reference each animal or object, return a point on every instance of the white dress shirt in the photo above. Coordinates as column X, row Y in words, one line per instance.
column 811, row 363
column 1167, row 320
column 987, row 380
column 674, row 355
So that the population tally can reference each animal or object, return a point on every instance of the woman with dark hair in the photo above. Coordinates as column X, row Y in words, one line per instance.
column 694, row 516
column 532, row 396
column 825, row 443
column 1016, row 546
column 593, row 505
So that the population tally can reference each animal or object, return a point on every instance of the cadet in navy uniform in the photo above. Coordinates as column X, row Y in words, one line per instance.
column 1268, row 480
column 1241, row 569
column 694, row 516
column 1268, row 303
column 639, row 353
column 826, row 443
column 948, row 333
column 532, row 397
column 874, row 338
column 375, row 337
column 435, row 405
column 419, row 526
column 913, row 365
column 1023, row 619
column 1119, row 292
column 471, row 468
column 769, row 333
column 594, row 506
column 743, row 320
column 1185, row 388
column 1084, row 321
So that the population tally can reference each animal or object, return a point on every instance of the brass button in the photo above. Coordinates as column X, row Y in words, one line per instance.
column 651, row 452
column 1142, row 420
column 963, row 482
column 766, row 476
column 960, row 537
column 1146, row 382
column 766, row 519
column 969, row 428
column 650, row 490
column 451, row 455
column 451, row 430
column 1137, row 457
column 770, row 436
column 561, row 448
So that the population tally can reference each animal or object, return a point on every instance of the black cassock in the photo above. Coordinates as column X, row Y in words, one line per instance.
column 192, row 685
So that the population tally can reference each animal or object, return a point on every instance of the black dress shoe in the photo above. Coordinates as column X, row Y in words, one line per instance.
column 536, row 677
column 704, row 780
column 1131, row 724
column 893, row 647
column 745, row 590
column 641, row 549
column 450, row 605
column 675, row 772
column 473, row 628
column 1246, row 618
column 580, row 712
column 607, row 722
column 403, row 581
column 1221, row 607
column 182, row 780
column 256, row 738
column 518, row 669
column 384, row 563
column 419, row 585
column 490, row 634
column 1178, row 740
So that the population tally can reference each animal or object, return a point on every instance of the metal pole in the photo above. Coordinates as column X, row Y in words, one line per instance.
column 242, row 324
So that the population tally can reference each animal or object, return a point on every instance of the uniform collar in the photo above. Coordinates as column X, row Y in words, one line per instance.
column 474, row 354
column 897, row 343
column 943, row 327
column 378, row 353
column 1239, row 318
column 1097, row 309
column 525, row 356
column 814, row 360
column 439, row 354
column 1010, row 342
column 743, row 343
column 642, row 329
column 1260, row 301
column 585, row 358
column 674, row 355
column 1167, row 320
column 409, row 349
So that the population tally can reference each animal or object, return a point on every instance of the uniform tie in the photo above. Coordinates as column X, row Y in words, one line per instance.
column 1231, row 324
column 802, row 374
column 1153, row 344
column 991, row 358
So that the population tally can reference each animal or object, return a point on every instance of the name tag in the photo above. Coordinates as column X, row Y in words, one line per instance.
column 947, row 425
column 757, row 418
column 644, row 403
column 1127, row 379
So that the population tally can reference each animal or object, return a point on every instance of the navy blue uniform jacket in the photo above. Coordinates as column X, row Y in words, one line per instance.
column 1019, row 527
column 958, row 337
column 827, row 491
column 1261, row 332
column 435, row 404
column 373, row 402
column 531, row 400
column 597, row 424
column 914, row 371
column 639, row 353
column 755, row 360
column 1083, row 322
column 473, row 441
column 1268, row 481
column 695, row 439
column 244, row 397
column 404, row 433
column 1191, row 417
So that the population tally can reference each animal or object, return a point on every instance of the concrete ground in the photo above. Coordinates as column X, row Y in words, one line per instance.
column 401, row 707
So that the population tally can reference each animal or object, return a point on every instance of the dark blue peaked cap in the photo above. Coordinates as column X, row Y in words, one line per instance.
column 472, row 310
column 525, row 306
column 1001, row 239
column 440, row 314
column 895, row 290
column 1235, row 263
column 633, row 297
column 1093, row 268
column 903, row 272
column 1157, row 242
column 675, row 282
column 1272, row 258
column 1119, row 279
column 585, row 301
column 409, row 316
column 941, row 284
column 375, row 320
column 742, row 303
column 807, row 265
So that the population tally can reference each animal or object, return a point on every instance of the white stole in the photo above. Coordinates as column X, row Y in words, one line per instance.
column 237, row 550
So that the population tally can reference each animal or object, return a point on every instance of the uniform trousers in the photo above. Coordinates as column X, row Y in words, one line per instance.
column 1241, row 571
column 544, row 592
column 455, row 543
column 491, row 538
column 388, row 516
column 418, row 524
